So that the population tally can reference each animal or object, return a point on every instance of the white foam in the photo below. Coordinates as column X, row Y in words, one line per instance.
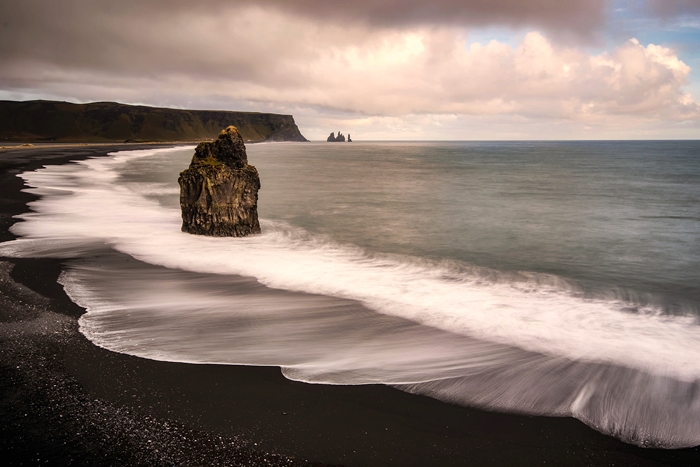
column 83, row 203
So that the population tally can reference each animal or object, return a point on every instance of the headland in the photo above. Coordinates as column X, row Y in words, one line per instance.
column 111, row 122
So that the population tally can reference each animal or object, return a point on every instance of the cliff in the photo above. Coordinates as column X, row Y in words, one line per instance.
column 44, row 121
column 219, row 190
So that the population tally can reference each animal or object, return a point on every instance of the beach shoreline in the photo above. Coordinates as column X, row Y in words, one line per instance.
column 70, row 402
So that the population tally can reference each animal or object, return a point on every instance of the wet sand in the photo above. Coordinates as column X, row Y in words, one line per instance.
column 66, row 401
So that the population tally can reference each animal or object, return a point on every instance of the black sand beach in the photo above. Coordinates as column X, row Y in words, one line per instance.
column 64, row 401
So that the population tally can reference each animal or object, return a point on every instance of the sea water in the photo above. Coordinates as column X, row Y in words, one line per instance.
column 552, row 278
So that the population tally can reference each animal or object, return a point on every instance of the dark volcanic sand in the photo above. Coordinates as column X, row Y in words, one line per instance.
column 64, row 401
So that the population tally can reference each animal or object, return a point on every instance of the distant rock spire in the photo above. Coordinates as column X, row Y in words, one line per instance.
column 337, row 139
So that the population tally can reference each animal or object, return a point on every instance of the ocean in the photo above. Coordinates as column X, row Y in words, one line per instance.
column 544, row 278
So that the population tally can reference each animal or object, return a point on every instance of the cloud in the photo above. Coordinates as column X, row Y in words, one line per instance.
column 175, row 34
column 577, row 16
column 668, row 8
column 302, row 56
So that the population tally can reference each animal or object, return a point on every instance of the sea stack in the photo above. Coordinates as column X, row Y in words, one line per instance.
column 219, row 191
column 336, row 139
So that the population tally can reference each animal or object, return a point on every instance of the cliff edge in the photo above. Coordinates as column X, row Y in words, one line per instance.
column 219, row 190
column 104, row 122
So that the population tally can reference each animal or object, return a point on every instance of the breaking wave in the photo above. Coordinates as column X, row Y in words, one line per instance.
column 334, row 313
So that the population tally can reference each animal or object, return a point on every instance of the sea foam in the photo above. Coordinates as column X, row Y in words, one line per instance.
column 82, row 203
column 459, row 333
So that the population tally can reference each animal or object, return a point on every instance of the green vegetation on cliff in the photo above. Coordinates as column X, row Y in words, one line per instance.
column 44, row 121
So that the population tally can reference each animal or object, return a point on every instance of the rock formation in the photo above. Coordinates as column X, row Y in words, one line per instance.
column 219, row 191
column 349, row 138
column 336, row 139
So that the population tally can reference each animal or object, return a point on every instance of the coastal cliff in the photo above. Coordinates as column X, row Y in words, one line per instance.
column 102, row 122
column 219, row 190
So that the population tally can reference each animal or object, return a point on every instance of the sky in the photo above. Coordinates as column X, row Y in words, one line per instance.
column 377, row 69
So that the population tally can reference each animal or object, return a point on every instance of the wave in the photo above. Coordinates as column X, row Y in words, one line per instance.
column 334, row 313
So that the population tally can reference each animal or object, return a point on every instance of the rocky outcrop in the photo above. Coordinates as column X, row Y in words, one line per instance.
column 114, row 122
column 219, row 191
column 336, row 139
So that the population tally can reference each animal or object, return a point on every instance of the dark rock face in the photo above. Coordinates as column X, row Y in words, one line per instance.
column 219, row 191
column 229, row 150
